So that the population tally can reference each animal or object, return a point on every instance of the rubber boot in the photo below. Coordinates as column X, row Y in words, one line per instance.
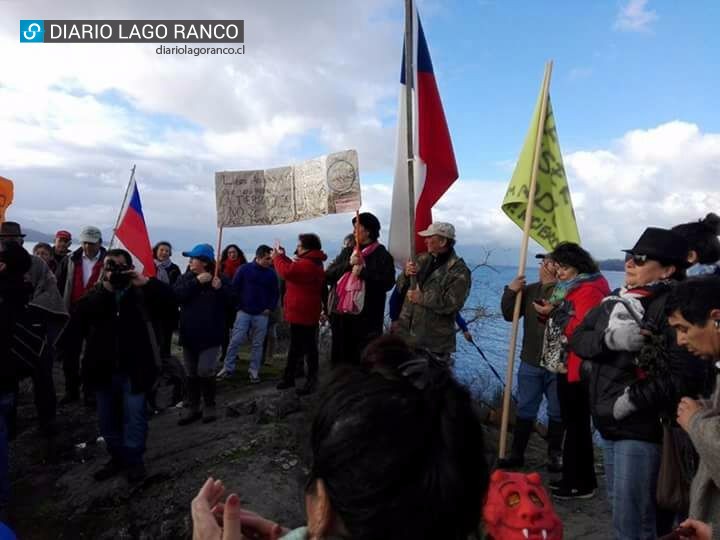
column 521, row 436
column 555, row 435
column 208, row 391
column 192, row 413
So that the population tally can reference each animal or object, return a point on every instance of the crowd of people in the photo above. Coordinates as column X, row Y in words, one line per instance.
column 397, row 444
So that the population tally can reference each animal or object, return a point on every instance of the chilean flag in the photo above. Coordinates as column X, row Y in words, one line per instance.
column 435, row 168
column 131, row 233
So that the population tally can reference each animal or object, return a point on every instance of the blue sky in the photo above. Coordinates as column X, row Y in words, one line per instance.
column 634, row 93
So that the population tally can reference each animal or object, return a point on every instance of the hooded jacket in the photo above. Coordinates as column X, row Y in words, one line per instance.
column 304, row 282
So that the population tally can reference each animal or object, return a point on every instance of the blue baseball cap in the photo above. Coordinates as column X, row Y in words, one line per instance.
column 201, row 251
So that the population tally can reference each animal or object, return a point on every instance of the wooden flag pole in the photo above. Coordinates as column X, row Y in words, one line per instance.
column 219, row 252
column 409, row 83
column 523, row 261
column 122, row 206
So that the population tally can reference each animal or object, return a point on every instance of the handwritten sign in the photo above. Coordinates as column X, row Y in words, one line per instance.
column 326, row 185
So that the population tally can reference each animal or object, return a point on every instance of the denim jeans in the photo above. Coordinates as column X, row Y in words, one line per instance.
column 7, row 402
column 631, row 471
column 533, row 382
column 122, row 420
column 244, row 325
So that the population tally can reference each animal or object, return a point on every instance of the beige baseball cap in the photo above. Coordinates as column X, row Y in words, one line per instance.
column 441, row 229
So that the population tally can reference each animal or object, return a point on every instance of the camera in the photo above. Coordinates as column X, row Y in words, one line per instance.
column 119, row 274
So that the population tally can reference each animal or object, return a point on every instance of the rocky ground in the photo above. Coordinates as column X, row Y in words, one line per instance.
column 257, row 446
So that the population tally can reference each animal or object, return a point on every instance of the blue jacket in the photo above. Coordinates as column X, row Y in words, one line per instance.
column 202, row 312
column 257, row 288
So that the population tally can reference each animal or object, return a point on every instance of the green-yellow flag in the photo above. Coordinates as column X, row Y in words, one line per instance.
column 553, row 219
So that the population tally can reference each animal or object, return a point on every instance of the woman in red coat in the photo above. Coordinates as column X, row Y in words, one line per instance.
column 304, row 282
column 580, row 288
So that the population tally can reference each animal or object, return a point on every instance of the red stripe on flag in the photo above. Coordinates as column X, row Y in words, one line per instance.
column 435, row 148
column 133, row 233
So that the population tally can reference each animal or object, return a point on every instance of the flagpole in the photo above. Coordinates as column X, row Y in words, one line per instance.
column 523, row 261
column 409, row 83
column 122, row 207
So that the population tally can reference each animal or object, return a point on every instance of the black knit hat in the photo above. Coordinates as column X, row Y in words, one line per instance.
column 662, row 245
column 370, row 222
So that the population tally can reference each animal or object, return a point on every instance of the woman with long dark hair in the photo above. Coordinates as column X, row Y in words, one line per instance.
column 580, row 287
column 231, row 259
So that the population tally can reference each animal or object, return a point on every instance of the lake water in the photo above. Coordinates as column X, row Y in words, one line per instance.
column 492, row 333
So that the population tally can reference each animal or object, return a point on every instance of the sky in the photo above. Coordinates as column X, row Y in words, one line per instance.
column 634, row 91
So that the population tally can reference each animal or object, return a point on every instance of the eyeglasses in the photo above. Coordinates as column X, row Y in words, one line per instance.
column 639, row 260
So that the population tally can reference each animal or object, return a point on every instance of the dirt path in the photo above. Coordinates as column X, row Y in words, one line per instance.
column 256, row 446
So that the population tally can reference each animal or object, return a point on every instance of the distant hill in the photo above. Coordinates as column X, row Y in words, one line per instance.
column 31, row 235
column 617, row 265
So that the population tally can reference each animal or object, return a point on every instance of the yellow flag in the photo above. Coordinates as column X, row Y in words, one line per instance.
column 553, row 219
column 6, row 196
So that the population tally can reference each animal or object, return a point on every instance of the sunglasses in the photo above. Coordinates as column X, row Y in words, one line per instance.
column 639, row 260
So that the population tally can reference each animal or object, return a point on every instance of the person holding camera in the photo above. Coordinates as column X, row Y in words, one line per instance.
column 122, row 356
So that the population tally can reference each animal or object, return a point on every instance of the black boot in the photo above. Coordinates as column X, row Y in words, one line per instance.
column 192, row 413
column 309, row 386
column 555, row 435
column 208, row 391
column 521, row 436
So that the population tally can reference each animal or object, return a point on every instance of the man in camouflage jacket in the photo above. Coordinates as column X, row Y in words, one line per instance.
column 427, row 318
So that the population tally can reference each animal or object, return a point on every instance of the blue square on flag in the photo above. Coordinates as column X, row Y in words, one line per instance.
column 32, row 31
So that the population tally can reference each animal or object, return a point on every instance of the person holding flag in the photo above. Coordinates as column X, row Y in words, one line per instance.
column 538, row 201
column 357, row 320
column 427, row 317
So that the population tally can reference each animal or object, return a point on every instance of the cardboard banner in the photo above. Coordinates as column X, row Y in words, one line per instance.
column 326, row 185
column 6, row 196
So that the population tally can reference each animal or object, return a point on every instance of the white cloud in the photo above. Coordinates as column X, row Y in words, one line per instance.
column 634, row 16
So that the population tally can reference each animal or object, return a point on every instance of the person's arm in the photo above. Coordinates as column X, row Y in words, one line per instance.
column 507, row 302
column 274, row 292
column 185, row 287
column 380, row 270
column 286, row 268
column 461, row 322
column 61, row 274
column 451, row 299
column 395, row 305
column 704, row 432
column 588, row 337
column 338, row 267
column 583, row 301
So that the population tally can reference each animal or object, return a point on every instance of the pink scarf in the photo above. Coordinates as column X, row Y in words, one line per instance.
column 350, row 289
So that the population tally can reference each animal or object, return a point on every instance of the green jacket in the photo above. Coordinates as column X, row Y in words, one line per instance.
column 431, row 324
column 533, row 329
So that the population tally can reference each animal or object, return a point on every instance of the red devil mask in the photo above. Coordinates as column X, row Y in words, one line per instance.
column 518, row 507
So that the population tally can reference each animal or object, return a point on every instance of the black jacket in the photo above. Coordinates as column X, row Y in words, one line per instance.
column 118, row 328
column 655, row 395
column 379, row 277
column 14, row 297
column 202, row 312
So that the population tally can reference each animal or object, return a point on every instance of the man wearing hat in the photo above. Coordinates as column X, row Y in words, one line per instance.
column 534, row 381
column 77, row 274
column 60, row 250
column 427, row 318
column 45, row 317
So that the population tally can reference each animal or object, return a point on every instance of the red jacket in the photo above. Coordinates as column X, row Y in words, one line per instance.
column 583, row 299
column 304, row 282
